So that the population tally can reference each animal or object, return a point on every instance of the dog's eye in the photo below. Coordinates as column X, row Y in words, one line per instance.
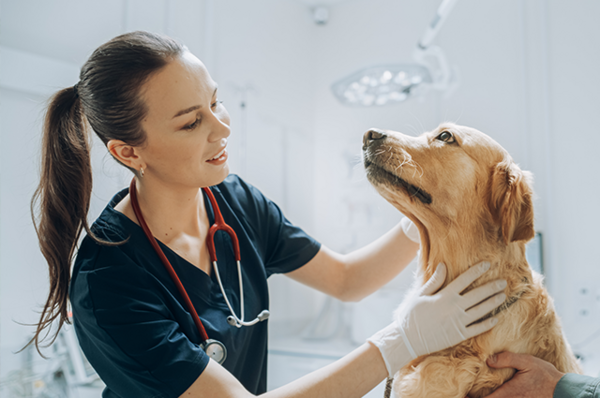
column 446, row 136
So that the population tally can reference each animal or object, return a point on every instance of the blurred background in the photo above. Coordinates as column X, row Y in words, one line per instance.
column 524, row 72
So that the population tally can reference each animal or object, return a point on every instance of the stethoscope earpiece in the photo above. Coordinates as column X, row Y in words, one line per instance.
column 264, row 315
column 233, row 321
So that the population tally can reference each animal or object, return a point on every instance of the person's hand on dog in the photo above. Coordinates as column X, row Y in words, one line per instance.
column 535, row 378
column 432, row 320
column 410, row 230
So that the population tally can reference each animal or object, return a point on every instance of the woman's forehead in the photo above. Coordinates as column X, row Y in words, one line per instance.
column 183, row 83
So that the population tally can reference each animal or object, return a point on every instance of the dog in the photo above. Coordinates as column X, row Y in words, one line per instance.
column 471, row 203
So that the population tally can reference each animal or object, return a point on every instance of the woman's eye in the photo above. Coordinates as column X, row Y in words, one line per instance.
column 197, row 121
column 446, row 136
column 193, row 125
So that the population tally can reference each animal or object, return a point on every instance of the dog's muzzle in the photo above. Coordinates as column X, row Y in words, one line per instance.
column 371, row 136
column 372, row 141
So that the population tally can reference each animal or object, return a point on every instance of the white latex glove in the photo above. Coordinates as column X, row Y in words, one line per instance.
column 427, row 321
column 410, row 230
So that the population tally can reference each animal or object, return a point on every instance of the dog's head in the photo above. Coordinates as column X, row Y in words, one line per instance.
column 452, row 178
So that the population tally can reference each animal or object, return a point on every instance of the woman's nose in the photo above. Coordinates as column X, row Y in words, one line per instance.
column 220, row 127
column 372, row 135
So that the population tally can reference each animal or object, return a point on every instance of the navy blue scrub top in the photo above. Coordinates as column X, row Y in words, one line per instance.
column 131, row 321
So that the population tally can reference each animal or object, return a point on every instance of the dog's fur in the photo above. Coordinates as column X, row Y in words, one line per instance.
column 471, row 203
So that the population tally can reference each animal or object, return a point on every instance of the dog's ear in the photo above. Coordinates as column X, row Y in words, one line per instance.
column 510, row 201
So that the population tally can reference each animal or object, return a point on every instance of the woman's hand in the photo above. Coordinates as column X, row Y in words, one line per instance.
column 427, row 321
column 535, row 378
column 410, row 230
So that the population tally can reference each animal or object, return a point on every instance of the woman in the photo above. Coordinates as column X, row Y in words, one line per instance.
column 156, row 108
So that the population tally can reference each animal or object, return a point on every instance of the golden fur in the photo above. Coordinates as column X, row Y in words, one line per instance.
column 480, row 210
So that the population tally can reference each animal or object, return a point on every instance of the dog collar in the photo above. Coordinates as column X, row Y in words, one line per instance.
column 507, row 303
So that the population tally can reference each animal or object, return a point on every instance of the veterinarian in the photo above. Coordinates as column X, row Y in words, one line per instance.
column 158, row 312
column 536, row 378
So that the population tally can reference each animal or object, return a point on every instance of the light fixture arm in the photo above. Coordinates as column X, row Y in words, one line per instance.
column 434, row 27
column 383, row 84
column 434, row 59
column 433, row 56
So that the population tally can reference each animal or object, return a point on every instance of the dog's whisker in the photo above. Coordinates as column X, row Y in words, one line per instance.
column 418, row 167
column 413, row 129
column 418, row 121
column 399, row 166
column 390, row 157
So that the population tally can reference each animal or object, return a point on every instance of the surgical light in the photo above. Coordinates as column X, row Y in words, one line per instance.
column 380, row 88
column 388, row 84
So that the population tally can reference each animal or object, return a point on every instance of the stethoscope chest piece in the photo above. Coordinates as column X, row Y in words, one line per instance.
column 216, row 350
column 213, row 348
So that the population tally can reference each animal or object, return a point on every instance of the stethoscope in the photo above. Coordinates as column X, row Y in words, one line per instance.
column 213, row 348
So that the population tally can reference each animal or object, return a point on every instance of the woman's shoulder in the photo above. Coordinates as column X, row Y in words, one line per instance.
column 112, row 239
column 235, row 187
column 108, row 266
column 241, row 195
column 107, row 249
column 113, row 225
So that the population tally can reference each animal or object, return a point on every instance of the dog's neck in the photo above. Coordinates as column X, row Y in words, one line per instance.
column 460, row 251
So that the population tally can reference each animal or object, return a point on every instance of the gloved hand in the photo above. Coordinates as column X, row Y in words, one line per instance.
column 427, row 321
column 410, row 230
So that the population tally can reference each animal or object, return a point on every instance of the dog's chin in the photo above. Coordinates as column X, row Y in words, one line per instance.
column 378, row 176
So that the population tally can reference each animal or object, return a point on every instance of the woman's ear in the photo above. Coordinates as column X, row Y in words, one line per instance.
column 125, row 154
column 510, row 201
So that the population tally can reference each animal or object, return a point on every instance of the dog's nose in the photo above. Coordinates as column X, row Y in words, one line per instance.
column 373, row 135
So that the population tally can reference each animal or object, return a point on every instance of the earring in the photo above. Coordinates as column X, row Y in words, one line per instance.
column 142, row 171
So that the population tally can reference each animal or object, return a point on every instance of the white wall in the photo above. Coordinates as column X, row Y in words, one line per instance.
column 573, row 183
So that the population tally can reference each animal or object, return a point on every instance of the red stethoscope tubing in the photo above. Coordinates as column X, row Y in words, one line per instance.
column 165, row 261
column 219, row 225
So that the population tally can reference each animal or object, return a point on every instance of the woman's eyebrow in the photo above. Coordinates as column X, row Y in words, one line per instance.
column 193, row 108
column 188, row 110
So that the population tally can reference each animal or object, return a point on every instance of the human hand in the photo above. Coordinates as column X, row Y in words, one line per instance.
column 427, row 321
column 535, row 378
column 410, row 230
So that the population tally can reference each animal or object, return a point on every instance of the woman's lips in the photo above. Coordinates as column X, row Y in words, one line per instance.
column 219, row 158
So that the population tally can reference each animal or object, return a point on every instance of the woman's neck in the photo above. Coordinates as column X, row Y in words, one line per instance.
column 170, row 211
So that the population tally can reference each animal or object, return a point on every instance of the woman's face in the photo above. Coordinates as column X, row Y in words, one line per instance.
column 186, row 126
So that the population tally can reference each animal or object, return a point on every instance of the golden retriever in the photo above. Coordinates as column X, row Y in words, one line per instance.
column 471, row 203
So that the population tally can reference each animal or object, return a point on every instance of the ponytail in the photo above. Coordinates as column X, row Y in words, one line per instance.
column 108, row 99
column 63, row 198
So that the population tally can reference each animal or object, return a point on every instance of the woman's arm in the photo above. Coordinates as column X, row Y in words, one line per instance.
column 352, row 376
column 353, row 276
column 431, row 320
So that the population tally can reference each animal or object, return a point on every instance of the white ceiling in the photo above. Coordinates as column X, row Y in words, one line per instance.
column 74, row 27
column 66, row 19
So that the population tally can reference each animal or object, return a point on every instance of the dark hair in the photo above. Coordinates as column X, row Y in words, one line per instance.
column 108, row 97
